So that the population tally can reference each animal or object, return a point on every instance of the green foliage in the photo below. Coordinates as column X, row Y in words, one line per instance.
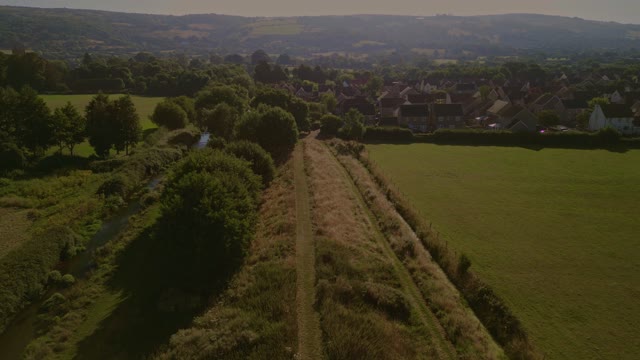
column 353, row 128
column 388, row 134
column 234, row 96
column 329, row 101
column 210, row 203
column 272, row 128
column 170, row 115
column 185, row 137
column 188, row 105
column 140, row 166
column 548, row 118
column 24, row 271
column 571, row 139
column 220, row 121
column 112, row 124
column 330, row 124
column 282, row 99
column 68, row 280
column 68, row 127
column 261, row 161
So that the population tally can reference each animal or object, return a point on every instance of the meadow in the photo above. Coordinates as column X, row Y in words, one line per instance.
column 144, row 106
column 554, row 232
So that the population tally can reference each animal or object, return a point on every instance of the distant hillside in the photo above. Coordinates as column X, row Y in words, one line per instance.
column 66, row 32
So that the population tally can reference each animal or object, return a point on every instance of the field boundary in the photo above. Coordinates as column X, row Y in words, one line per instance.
column 309, row 334
column 490, row 309
column 444, row 348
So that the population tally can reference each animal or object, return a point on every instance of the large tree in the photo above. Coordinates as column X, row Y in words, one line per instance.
column 100, row 125
column 128, row 129
column 170, row 115
column 272, row 128
column 68, row 127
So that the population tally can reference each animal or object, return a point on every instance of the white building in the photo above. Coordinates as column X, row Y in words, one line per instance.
column 617, row 116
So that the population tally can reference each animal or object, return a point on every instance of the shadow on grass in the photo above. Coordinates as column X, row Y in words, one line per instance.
column 161, row 296
column 621, row 147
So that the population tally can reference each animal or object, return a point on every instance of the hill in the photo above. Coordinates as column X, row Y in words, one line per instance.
column 67, row 32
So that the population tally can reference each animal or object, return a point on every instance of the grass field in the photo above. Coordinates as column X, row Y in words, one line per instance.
column 555, row 232
column 144, row 105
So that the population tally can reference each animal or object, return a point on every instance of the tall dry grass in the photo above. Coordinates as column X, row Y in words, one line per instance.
column 364, row 313
column 492, row 312
column 256, row 316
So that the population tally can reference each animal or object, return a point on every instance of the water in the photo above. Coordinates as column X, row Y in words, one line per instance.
column 23, row 327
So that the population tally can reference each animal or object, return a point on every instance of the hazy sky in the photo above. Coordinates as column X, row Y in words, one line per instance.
column 627, row 11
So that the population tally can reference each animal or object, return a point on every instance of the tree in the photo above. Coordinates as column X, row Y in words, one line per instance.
column 234, row 59
column 220, row 121
column 330, row 102
column 272, row 128
column 353, row 128
column 260, row 56
column 548, row 118
column 597, row 101
column 234, row 96
column 188, row 105
column 261, row 161
column 33, row 128
column 284, row 59
column 68, row 127
column 100, row 127
column 484, row 92
column 170, row 115
column 209, row 212
column 374, row 85
column 330, row 124
column 128, row 129
column 300, row 111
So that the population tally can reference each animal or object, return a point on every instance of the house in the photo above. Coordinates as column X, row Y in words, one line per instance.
column 465, row 88
column 447, row 116
column 547, row 102
column 636, row 108
column 362, row 105
column 573, row 108
column 389, row 106
column 517, row 118
column 617, row 116
column 616, row 98
column 414, row 116
column 497, row 106
column 408, row 91
column 305, row 93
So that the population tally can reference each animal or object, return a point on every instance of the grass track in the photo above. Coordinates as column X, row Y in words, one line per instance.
column 444, row 348
column 553, row 231
column 309, row 335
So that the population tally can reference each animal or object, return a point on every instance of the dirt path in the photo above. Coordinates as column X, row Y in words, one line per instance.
column 444, row 348
column 309, row 335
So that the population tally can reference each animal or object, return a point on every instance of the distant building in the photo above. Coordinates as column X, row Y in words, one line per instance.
column 414, row 116
column 617, row 116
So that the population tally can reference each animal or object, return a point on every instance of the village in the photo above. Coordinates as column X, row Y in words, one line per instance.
column 563, row 104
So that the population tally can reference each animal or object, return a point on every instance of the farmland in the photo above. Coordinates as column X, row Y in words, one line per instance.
column 144, row 106
column 554, row 232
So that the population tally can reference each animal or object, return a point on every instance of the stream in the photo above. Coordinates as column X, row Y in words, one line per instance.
column 22, row 330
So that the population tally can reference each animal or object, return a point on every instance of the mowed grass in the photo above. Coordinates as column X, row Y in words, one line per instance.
column 555, row 232
column 144, row 106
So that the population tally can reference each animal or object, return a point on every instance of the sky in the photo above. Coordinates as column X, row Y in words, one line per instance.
column 625, row 11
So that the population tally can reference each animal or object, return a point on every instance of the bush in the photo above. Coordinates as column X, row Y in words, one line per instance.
column 261, row 161
column 103, row 166
column 330, row 124
column 273, row 128
column 11, row 157
column 24, row 271
column 185, row 137
column 389, row 134
column 209, row 208
column 68, row 280
column 170, row 115
column 54, row 277
column 216, row 142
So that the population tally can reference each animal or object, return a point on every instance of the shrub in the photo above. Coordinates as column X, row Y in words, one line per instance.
column 464, row 263
column 390, row 134
column 68, row 280
column 330, row 124
column 209, row 206
column 185, row 137
column 170, row 115
column 11, row 157
column 273, row 128
column 55, row 277
column 53, row 302
column 261, row 161
column 216, row 142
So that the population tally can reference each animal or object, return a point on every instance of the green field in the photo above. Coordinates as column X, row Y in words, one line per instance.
column 555, row 232
column 144, row 105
